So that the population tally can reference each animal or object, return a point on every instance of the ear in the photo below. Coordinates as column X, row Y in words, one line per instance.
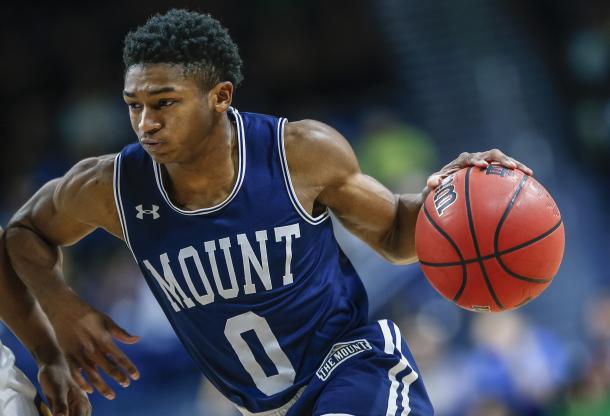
column 221, row 96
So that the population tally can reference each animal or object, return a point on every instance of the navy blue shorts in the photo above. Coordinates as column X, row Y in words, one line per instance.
column 371, row 372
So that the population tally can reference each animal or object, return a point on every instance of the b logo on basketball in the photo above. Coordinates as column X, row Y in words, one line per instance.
column 445, row 195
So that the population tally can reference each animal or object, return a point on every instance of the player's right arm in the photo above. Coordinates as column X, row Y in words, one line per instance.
column 61, row 213
column 22, row 314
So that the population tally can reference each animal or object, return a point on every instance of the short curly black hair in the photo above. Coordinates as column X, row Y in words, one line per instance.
column 194, row 40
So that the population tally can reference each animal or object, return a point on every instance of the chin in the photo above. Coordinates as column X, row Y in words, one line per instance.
column 160, row 158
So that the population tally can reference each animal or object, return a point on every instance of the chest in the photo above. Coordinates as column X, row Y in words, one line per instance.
column 199, row 268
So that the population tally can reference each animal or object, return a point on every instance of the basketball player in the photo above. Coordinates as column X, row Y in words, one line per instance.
column 227, row 215
column 18, row 396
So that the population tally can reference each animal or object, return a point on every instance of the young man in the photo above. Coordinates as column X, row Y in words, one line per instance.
column 227, row 215
column 18, row 396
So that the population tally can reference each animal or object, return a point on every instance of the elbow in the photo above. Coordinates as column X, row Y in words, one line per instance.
column 15, row 239
column 398, row 252
column 12, row 234
column 397, row 249
column 16, row 233
column 24, row 245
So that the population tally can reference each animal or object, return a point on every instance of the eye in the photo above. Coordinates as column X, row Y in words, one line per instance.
column 166, row 102
column 134, row 106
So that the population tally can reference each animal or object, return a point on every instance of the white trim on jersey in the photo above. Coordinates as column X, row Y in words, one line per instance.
column 288, row 181
column 241, row 139
column 392, row 344
column 119, row 202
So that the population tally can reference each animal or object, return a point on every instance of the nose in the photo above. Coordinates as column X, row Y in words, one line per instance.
column 149, row 122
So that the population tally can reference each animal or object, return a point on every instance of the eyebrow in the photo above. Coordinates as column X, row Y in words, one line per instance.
column 151, row 92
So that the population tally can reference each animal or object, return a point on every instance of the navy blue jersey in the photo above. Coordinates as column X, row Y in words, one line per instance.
column 256, row 288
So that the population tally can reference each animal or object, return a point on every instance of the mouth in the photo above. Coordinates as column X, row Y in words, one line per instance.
column 151, row 145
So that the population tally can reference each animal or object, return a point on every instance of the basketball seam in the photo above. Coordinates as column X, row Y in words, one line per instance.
column 533, row 240
column 457, row 250
column 499, row 253
column 476, row 243
column 507, row 211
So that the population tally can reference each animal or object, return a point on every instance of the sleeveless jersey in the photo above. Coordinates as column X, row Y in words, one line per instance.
column 255, row 287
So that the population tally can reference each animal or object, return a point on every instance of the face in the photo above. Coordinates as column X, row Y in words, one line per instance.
column 169, row 111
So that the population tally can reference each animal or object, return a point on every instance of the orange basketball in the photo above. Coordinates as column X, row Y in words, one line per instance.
column 489, row 239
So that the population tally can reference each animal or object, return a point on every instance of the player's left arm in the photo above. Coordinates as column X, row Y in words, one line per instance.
column 326, row 173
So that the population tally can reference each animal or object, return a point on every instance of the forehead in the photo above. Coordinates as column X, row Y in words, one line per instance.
column 152, row 77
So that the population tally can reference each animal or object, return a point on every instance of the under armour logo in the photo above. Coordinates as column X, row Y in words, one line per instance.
column 154, row 212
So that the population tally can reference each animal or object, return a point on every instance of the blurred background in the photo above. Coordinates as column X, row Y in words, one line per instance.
column 411, row 84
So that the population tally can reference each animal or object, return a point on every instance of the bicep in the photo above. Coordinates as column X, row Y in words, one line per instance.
column 69, row 208
column 364, row 206
column 50, row 216
column 325, row 166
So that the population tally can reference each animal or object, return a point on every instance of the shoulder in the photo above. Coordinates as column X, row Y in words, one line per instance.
column 86, row 192
column 308, row 135
column 101, row 167
column 87, row 175
column 316, row 149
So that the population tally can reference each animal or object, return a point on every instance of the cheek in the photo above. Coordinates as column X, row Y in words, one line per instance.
column 177, row 123
column 134, row 120
column 189, row 123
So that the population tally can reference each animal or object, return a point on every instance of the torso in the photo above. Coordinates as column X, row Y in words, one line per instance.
column 256, row 264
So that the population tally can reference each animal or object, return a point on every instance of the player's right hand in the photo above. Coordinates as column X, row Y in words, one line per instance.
column 86, row 337
column 65, row 397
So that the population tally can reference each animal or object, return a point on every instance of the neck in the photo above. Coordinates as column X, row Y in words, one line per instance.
column 208, row 177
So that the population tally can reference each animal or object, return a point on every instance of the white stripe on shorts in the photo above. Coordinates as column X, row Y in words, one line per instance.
column 407, row 379
column 390, row 345
column 388, row 348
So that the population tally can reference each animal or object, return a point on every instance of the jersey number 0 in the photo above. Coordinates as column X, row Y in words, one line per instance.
column 250, row 321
